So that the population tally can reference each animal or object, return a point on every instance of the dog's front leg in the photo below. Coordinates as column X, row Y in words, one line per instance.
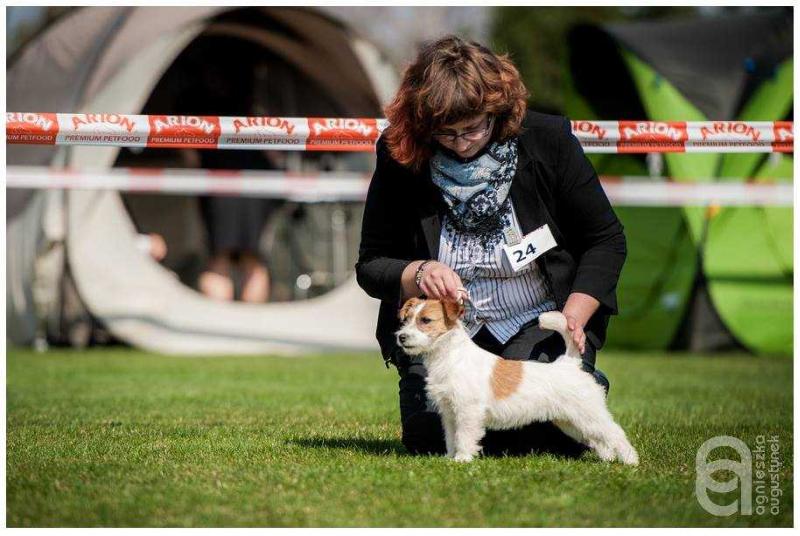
column 469, row 431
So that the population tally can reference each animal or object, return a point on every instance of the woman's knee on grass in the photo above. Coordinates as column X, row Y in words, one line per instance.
column 423, row 433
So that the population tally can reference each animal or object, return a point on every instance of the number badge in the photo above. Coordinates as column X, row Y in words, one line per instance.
column 530, row 247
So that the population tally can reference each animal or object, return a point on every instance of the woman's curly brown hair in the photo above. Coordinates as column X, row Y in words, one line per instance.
column 452, row 80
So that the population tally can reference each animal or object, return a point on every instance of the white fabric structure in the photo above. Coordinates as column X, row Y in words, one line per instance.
column 95, row 58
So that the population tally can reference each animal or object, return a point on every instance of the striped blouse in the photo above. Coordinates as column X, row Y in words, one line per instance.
column 500, row 298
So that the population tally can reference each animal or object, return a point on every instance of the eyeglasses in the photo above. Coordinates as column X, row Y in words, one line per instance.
column 471, row 135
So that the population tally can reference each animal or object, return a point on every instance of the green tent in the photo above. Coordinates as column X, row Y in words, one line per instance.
column 696, row 277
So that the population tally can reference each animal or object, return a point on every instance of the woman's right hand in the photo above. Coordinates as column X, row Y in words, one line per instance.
column 440, row 282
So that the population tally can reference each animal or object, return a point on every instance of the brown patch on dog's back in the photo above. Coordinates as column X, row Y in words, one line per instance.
column 506, row 377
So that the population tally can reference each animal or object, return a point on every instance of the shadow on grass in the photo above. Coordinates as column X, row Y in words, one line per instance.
column 514, row 443
column 366, row 446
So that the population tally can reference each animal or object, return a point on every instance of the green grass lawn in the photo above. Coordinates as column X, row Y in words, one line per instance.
column 125, row 438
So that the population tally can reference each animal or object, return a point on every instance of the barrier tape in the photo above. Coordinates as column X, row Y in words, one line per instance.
column 359, row 134
column 685, row 136
column 304, row 187
column 330, row 187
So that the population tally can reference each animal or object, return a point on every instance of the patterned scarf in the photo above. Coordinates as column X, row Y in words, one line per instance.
column 476, row 191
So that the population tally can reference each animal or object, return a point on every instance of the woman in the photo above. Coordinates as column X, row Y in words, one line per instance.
column 462, row 171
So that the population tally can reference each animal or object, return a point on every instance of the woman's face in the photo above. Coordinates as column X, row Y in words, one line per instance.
column 466, row 138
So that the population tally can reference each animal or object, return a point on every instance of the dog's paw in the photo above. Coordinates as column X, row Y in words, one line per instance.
column 629, row 457
column 463, row 457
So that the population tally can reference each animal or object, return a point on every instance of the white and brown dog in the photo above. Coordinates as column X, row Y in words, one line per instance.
column 473, row 389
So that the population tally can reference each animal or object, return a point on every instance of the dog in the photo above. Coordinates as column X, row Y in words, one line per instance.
column 474, row 390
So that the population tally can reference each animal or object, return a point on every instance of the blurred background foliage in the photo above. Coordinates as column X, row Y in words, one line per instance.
column 536, row 39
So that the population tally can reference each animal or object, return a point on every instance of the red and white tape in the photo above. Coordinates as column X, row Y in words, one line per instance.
column 304, row 187
column 662, row 192
column 345, row 134
column 329, row 187
column 685, row 136
column 201, row 132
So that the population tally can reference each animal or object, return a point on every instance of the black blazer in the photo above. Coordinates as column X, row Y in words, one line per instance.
column 554, row 184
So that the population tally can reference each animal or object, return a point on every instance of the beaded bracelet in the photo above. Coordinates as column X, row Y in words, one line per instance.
column 419, row 274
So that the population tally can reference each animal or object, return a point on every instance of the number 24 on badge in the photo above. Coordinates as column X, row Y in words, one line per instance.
column 530, row 248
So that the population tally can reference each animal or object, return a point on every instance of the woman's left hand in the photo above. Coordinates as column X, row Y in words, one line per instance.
column 576, row 332
column 579, row 309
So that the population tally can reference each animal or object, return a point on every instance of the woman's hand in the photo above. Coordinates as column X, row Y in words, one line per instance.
column 579, row 309
column 440, row 282
column 576, row 332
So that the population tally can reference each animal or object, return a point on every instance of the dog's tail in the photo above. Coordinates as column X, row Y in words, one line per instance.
column 556, row 321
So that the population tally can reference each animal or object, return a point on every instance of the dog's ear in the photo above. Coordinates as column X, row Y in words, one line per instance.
column 452, row 312
column 407, row 308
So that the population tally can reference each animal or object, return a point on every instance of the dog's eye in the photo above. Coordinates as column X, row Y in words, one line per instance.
column 426, row 320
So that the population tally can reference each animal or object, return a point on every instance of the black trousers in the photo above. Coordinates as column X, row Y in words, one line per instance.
column 422, row 427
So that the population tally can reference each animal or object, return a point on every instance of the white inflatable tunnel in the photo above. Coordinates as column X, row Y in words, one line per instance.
column 104, row 68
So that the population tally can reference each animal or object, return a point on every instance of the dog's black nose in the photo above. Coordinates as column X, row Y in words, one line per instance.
column 402, row 338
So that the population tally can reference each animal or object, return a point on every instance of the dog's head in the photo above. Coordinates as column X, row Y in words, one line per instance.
column 424, row 322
